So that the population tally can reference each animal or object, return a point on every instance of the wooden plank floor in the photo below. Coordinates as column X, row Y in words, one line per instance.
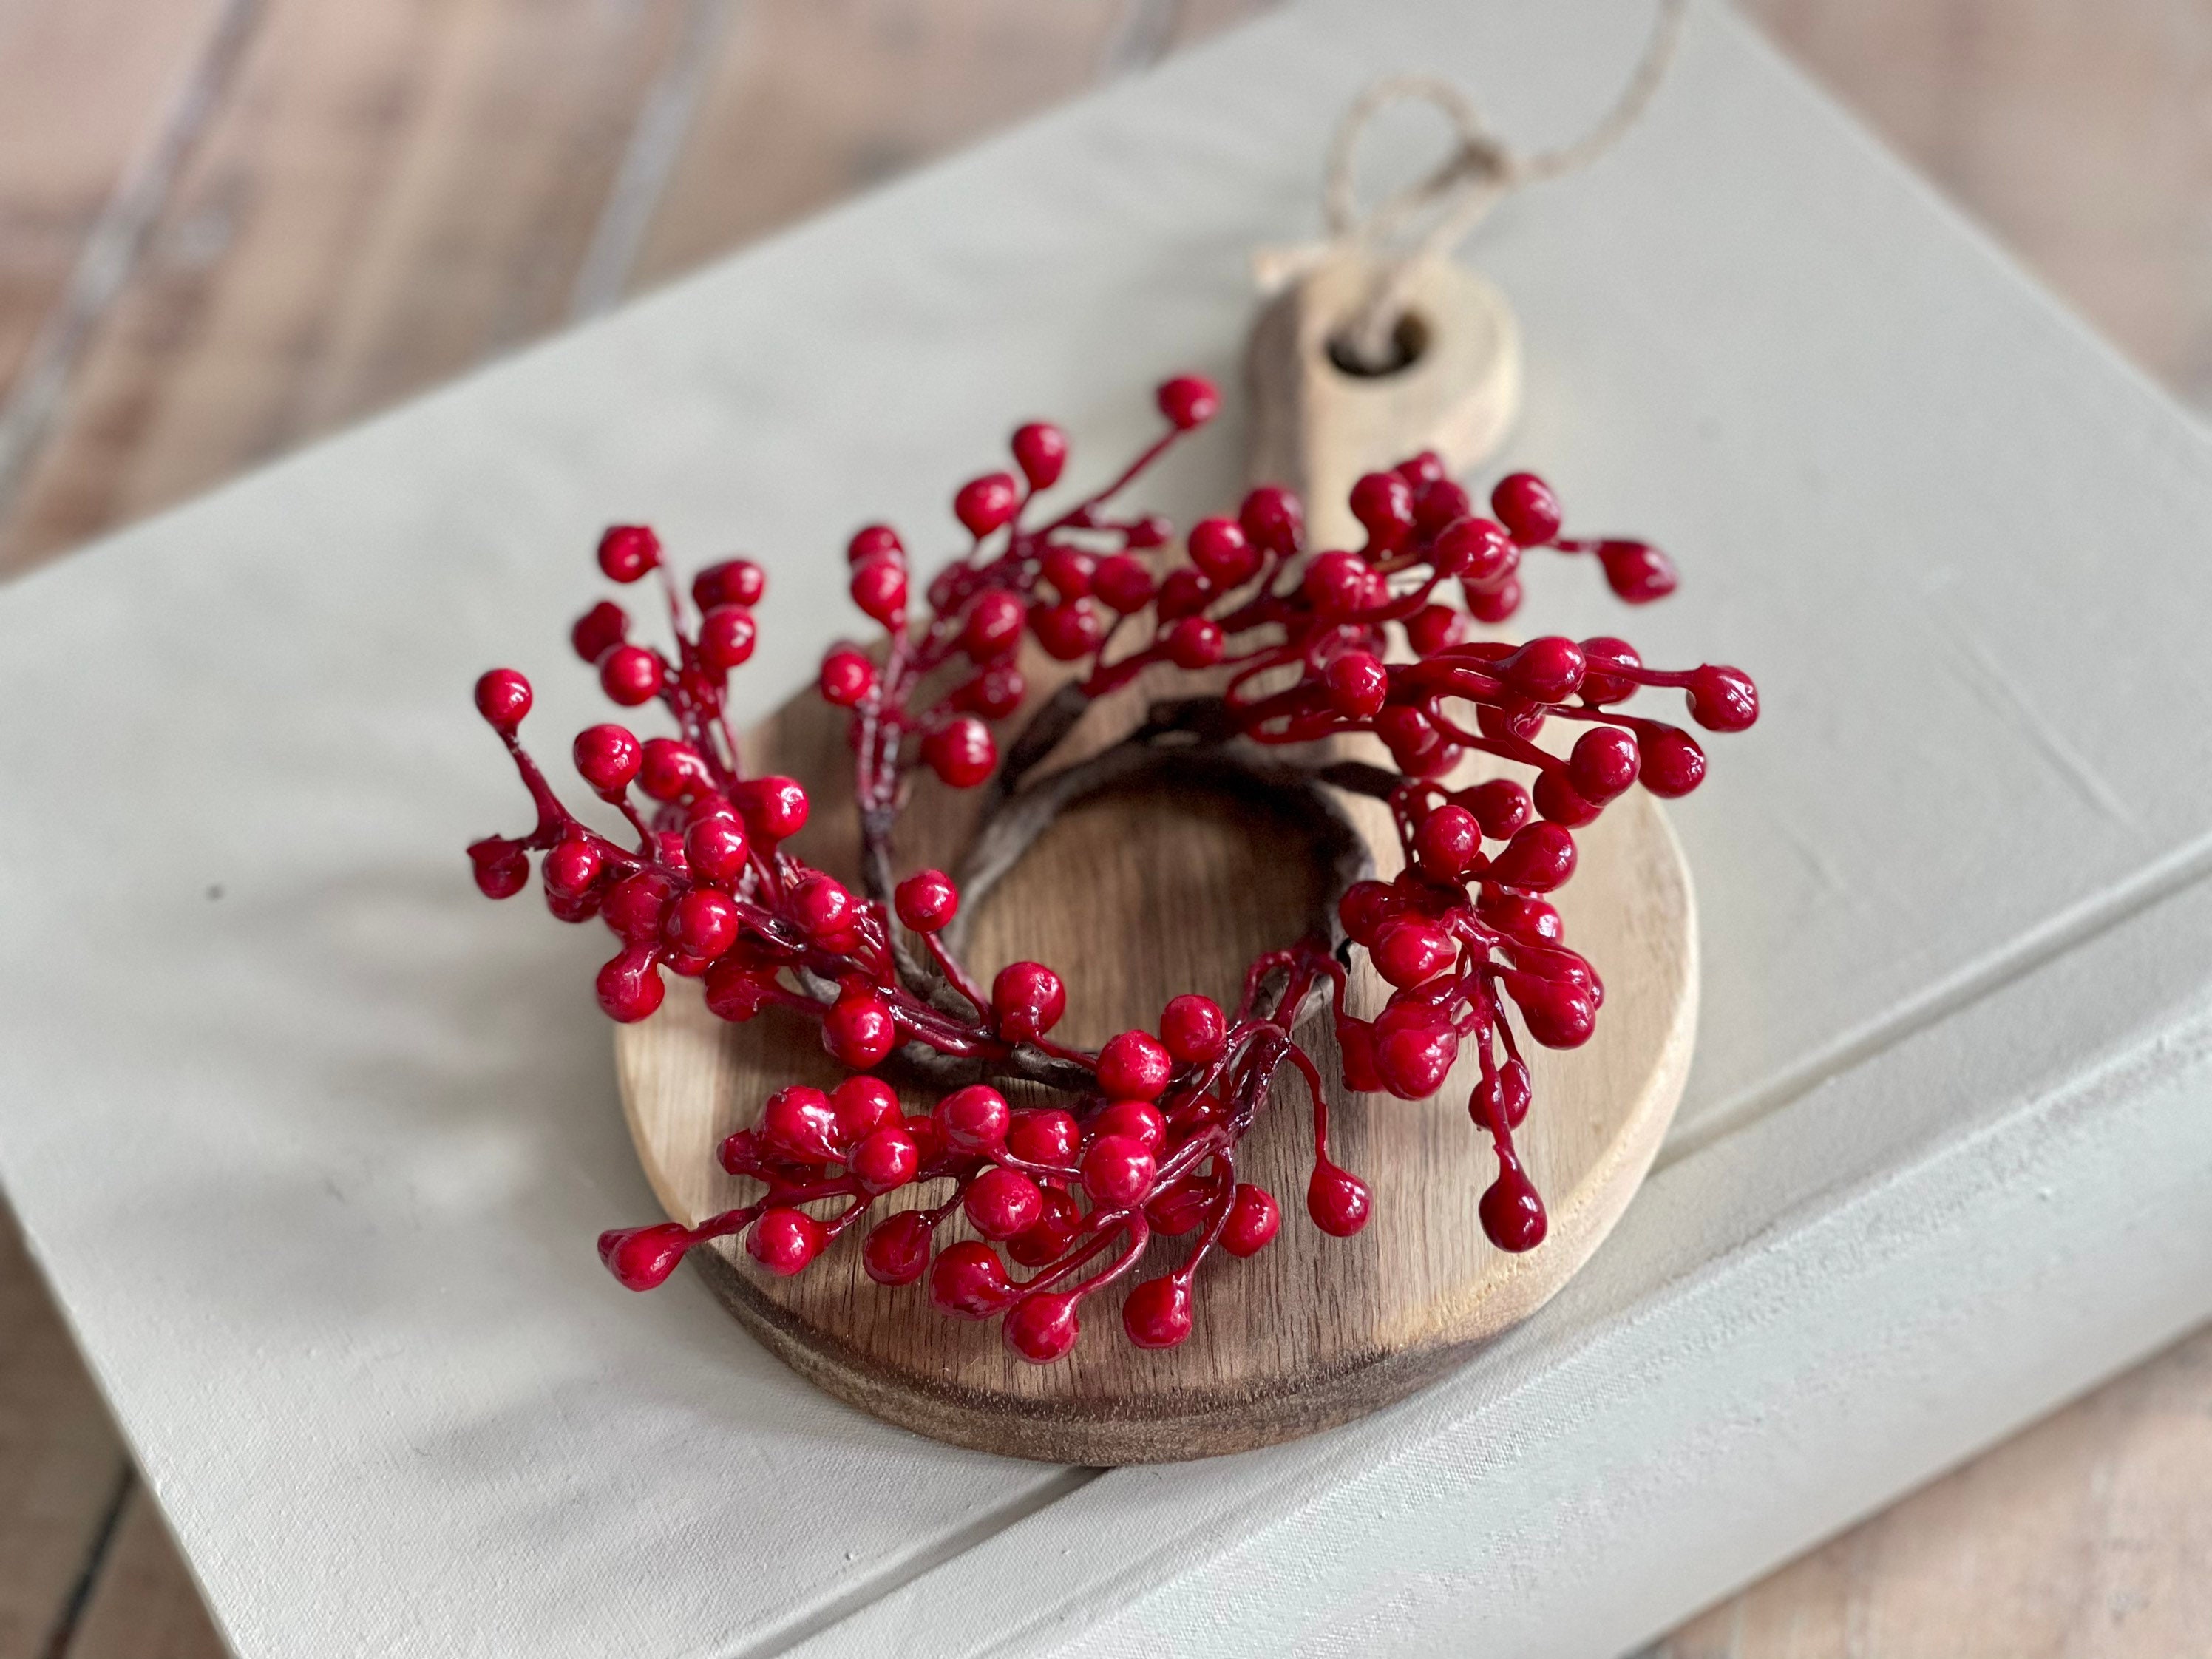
column 226, row 226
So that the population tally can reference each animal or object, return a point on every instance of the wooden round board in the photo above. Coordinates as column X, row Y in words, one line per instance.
column 1136, row 896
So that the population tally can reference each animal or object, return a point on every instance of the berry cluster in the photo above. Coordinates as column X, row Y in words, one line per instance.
column 1298, row 648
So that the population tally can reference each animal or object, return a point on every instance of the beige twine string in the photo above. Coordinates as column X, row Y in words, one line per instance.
column 1480, row 172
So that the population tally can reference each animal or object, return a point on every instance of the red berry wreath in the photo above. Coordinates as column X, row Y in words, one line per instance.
column 1148, row 1140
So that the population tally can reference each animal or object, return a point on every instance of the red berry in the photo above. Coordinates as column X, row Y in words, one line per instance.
column 1133, row 1120
column 733, row 582
column 969, row 1282
column 572, row 867
column 1524, row 504
column 1673, row 764
column 630, row 985
column 1357, row 684
column 627, row 551
column 1044, row 1137
column 773, row 809
column 1501, row 806
column 1492, row 604
column 608, row 758
column 726, row 637
column 864, row 1105
column 636, row 906
column 1135, row 1066
column 736, row 992
column 961, row 751
column 1221, row 549
column 1273, row 518
column 1055, row 1230
column 821, row 907
column 1339, row 585
column 994, row 693
column 896, row 1249
column 1195, row 1029
column 1435, row 627
column 1117, row 1172
column 1560, row 802
column 599, row 630
column 987, row 503
column 1559, row 1013
column 994, row 624
column 1067, row 631
column 1124, row 583
column 1182, row 1207
column 1721, row 699
column 1000, row 1203
column 501, row 867
column 1195, row 643
column 1338, row 1201
column 874, row 541
column 886, row 1159
column 1530, row 920
column 973, row 1119
column 672, row 771
column 1478, row 551
column 1500, row 1101
column 1041, row 452
column 1189, row 401
column 1413, row 1050
column 1366, row 908
column 1602, row 764
column 1043, row 1327
column 1422, row 470
column 1537, row 859
column 630, row 675
column 715, row 847
column 503, row 698
column 784, row 1240
column 878, row 587
column 703, row 923
column 641, row 1258
column 1027, row 999
column 1412, row 952
column 1549, row 669
column 1253, row 1220
column 1069, row 571
column 1448, row 844
column 1511, row 1212
column 1384, row 504
column 1600, row 686
column 859, row 1031
column 1158, row 1313
column 1184, row 593
column 800, row 1122
column 1638, row 571
column 927, row 899
column 1439, row 504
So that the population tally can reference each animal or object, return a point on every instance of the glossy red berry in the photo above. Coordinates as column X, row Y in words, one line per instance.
column 1439, row 504
column 1117, row 1172
column 1511, row 1212
column 1537, row 859
column 1561, row 803
column 1602, row 764
column 1525, row 505
column 1448, row 844
column 1040, row 451
column 1069, row 571
column 961, row 751
column 1056, row 1227
column 784, row 1240
column 1500, row 1101
column 736, row 991
column 1135, row 1066
column 573, row 867
column 874, row 541
column 1044, row 1137
column 800, row 1122
column 1478, row 551
column 773, row 809
column 1194, row 1030
column 726, row 634
column 878, row 587
column 864, row 1104
column 501, row 867
column 1133, row 1120
column 1337, row 1200
column 822, row 907
column 1220, row 548
column 1043, row 1327
column 896, row 1249
column 1253, row 1220
column 1549, row 669
column 1413, row 953
column 1357, row 684
column 703, row 923
column 629, row 986
column 1673, row 763
column 1195, row 642
column 1027, row 999
column 1273, row 518
column 642, row 1258
column 1183, row 593
column 631, row 674
column 1122, row 584
column 859, row 1031
column 1638, row 571
column 1413, row 1050
column 969, row 1282
column 927, row 899
column 1069, row 630
column 599, row 630
column 716, row 849
column 1493, row 605
column 503, row 698
column 994, row 624
column 733, row 582
column 974, row 1118
column 608, row 758
column 1189, row 401
column 637, row 906
column 1500, row 805
column 672, row 771
column 886, row 1159
column 1000, row 1203
column 1339, row 584
column 1721, row 699
column 1158, row 1313
column 994, row 693
column 987, row 503
column 627, row 551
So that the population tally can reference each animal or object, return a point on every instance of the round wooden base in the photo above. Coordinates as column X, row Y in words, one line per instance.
column 1135, row 896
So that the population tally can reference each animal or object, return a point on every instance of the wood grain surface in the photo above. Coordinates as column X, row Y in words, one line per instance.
column 175, row 176
column 1138, row 894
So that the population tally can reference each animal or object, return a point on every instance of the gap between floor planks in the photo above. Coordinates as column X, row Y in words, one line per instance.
column 183, row 329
